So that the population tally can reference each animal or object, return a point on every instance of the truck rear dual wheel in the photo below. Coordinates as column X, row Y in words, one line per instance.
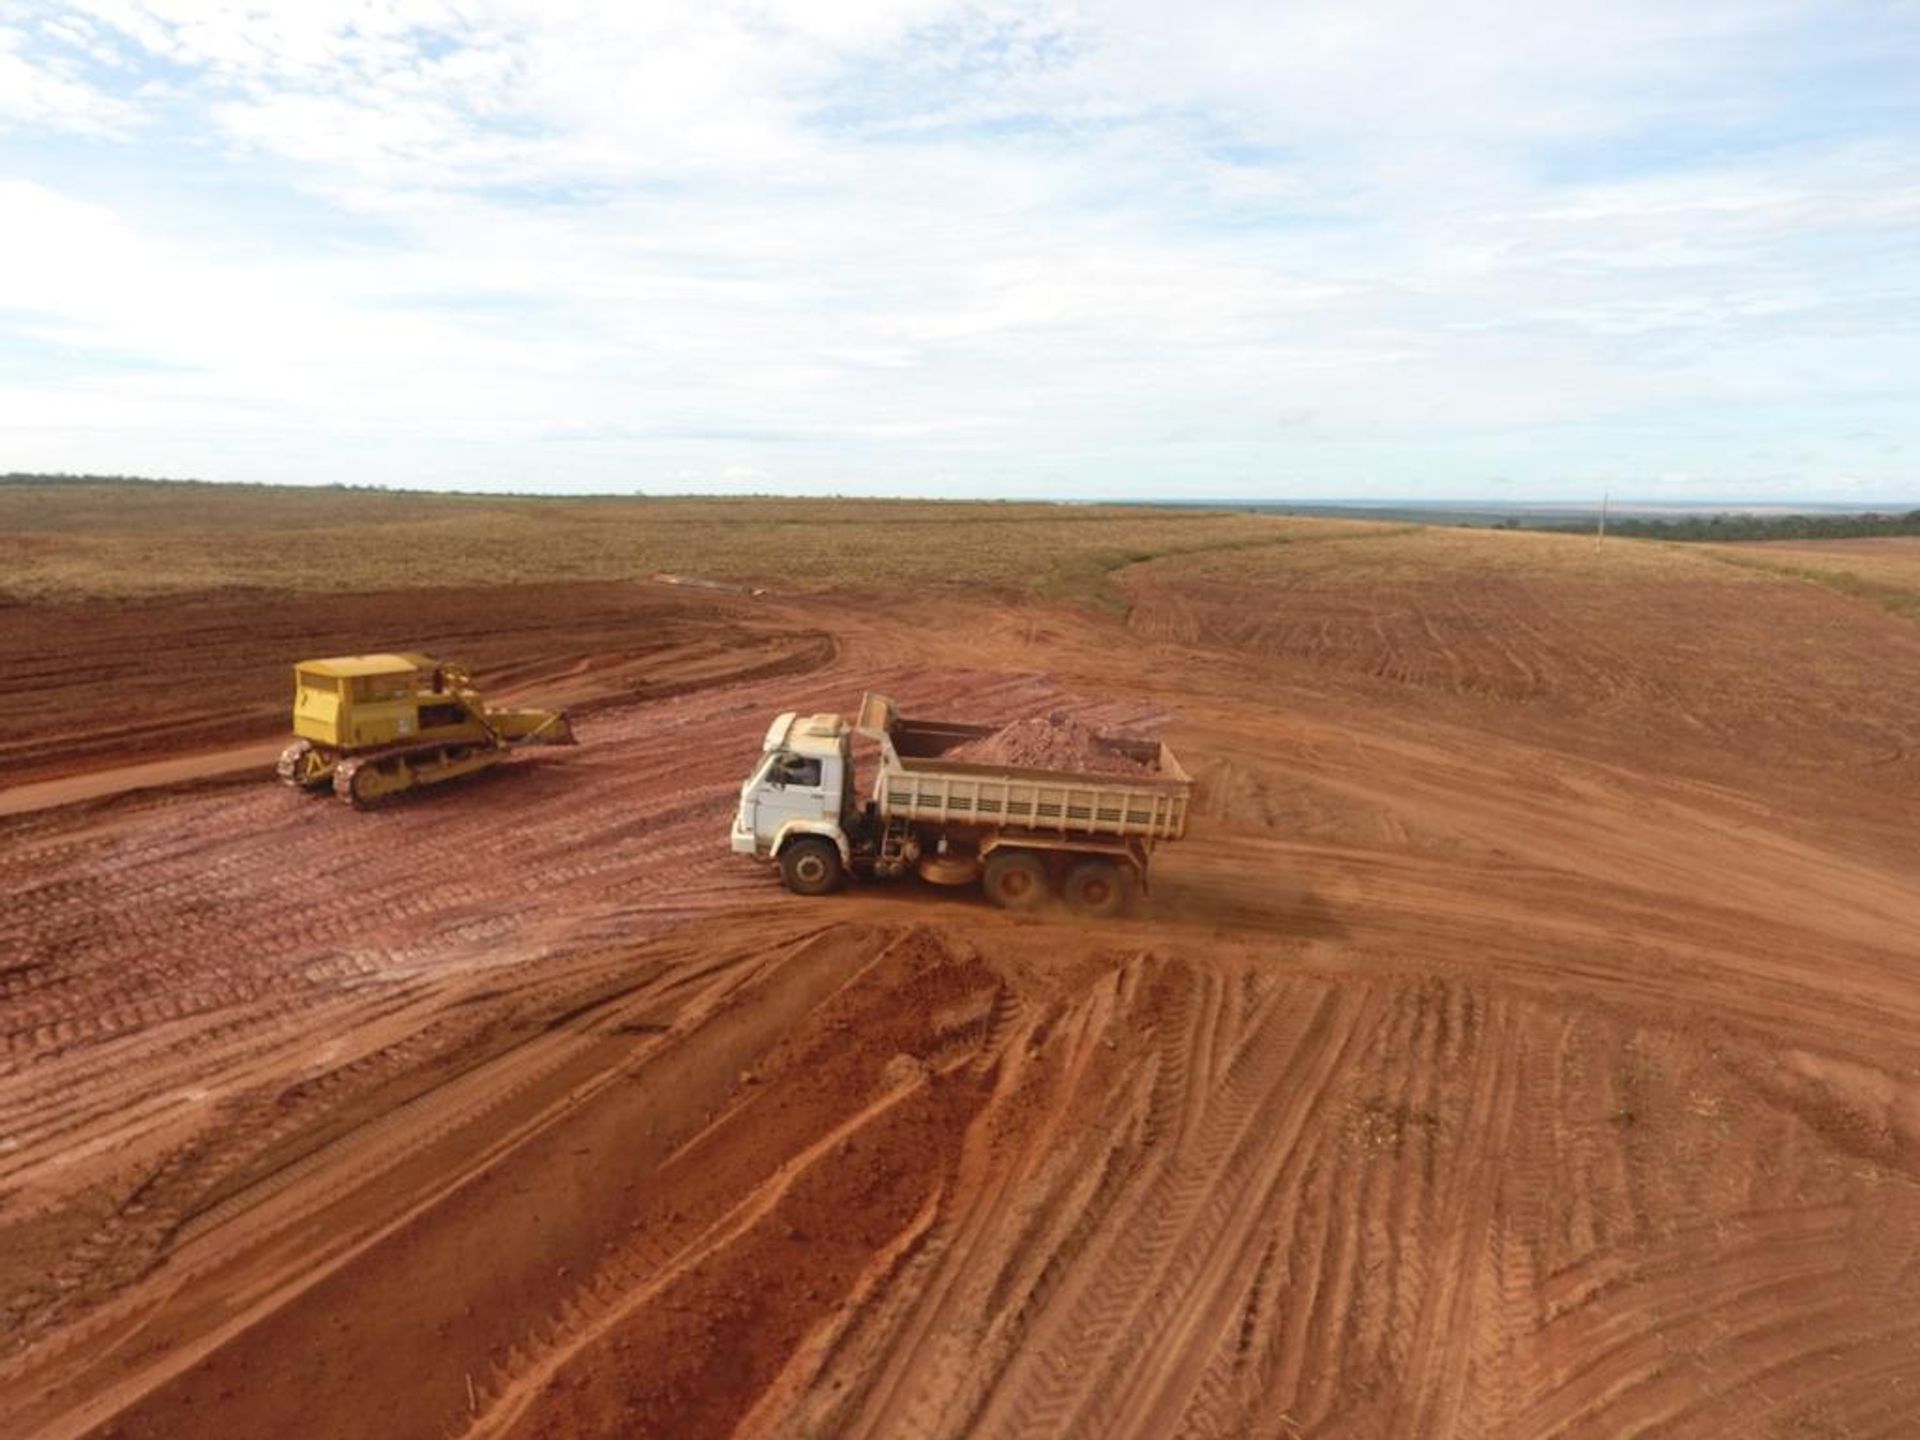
column 810, row 866
column 1097, row 888
column 1015, row 879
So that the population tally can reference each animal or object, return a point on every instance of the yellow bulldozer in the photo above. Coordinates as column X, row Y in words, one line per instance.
column 373, row 725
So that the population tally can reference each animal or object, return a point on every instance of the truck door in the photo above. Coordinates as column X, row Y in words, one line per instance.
column 796, row 787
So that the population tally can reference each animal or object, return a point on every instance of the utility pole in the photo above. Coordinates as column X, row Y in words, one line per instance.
column 1601, row 533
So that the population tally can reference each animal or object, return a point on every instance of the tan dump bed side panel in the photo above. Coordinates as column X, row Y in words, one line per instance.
column 921, row 786
column 1034, row 800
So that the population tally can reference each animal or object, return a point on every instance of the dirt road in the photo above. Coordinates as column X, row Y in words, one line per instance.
column 1486, row 1064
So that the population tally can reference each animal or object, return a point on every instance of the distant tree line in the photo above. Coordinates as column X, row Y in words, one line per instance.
column 23, row 477
column 1757, row 527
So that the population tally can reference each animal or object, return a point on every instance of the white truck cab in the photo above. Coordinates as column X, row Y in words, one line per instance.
column 802, row 787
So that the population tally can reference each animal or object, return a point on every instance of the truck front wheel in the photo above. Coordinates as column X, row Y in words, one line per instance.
column 810, row 866
column 1096, row 887
column 1015, row 879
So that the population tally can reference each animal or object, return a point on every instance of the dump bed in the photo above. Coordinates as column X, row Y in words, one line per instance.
column 915, row 782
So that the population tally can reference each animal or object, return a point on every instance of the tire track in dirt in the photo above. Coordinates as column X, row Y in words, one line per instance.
column 283, row 1234
column 1195, row 1235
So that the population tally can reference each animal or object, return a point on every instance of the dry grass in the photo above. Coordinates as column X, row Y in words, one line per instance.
column 1399, row 555
column 72, row 541
column 1891, row 558
column 1882, row 570
column 124, row 540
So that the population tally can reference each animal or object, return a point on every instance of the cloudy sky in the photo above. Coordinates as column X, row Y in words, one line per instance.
column 1127, row 249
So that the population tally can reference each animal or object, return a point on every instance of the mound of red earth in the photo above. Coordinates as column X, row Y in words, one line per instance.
column 1054, row 741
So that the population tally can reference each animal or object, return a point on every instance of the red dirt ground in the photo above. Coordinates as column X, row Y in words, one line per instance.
column 1523, row 1044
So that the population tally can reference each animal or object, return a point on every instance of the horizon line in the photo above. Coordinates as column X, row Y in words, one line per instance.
column 1404, row 502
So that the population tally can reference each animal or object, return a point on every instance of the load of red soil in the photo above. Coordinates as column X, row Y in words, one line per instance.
column 1055, row 741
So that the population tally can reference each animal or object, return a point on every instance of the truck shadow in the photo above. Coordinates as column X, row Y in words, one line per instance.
column 911, row 893
column 1286, row 906
column 1279, row 904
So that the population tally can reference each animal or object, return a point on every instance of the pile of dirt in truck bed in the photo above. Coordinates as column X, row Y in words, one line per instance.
column 1054, row 741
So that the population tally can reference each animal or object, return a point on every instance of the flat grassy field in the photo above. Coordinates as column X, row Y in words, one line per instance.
column 1402, row 555
column 113, row 539
column 1882, row 569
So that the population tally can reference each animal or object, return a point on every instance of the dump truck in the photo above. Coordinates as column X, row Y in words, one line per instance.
column 1023, row 834
column 371, row 726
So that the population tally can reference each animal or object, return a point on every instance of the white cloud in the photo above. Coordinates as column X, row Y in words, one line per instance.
column 48, row 95
column 1036, row 247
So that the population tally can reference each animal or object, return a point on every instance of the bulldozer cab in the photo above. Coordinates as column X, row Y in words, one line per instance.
column 371, row 726
column 355, row 702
